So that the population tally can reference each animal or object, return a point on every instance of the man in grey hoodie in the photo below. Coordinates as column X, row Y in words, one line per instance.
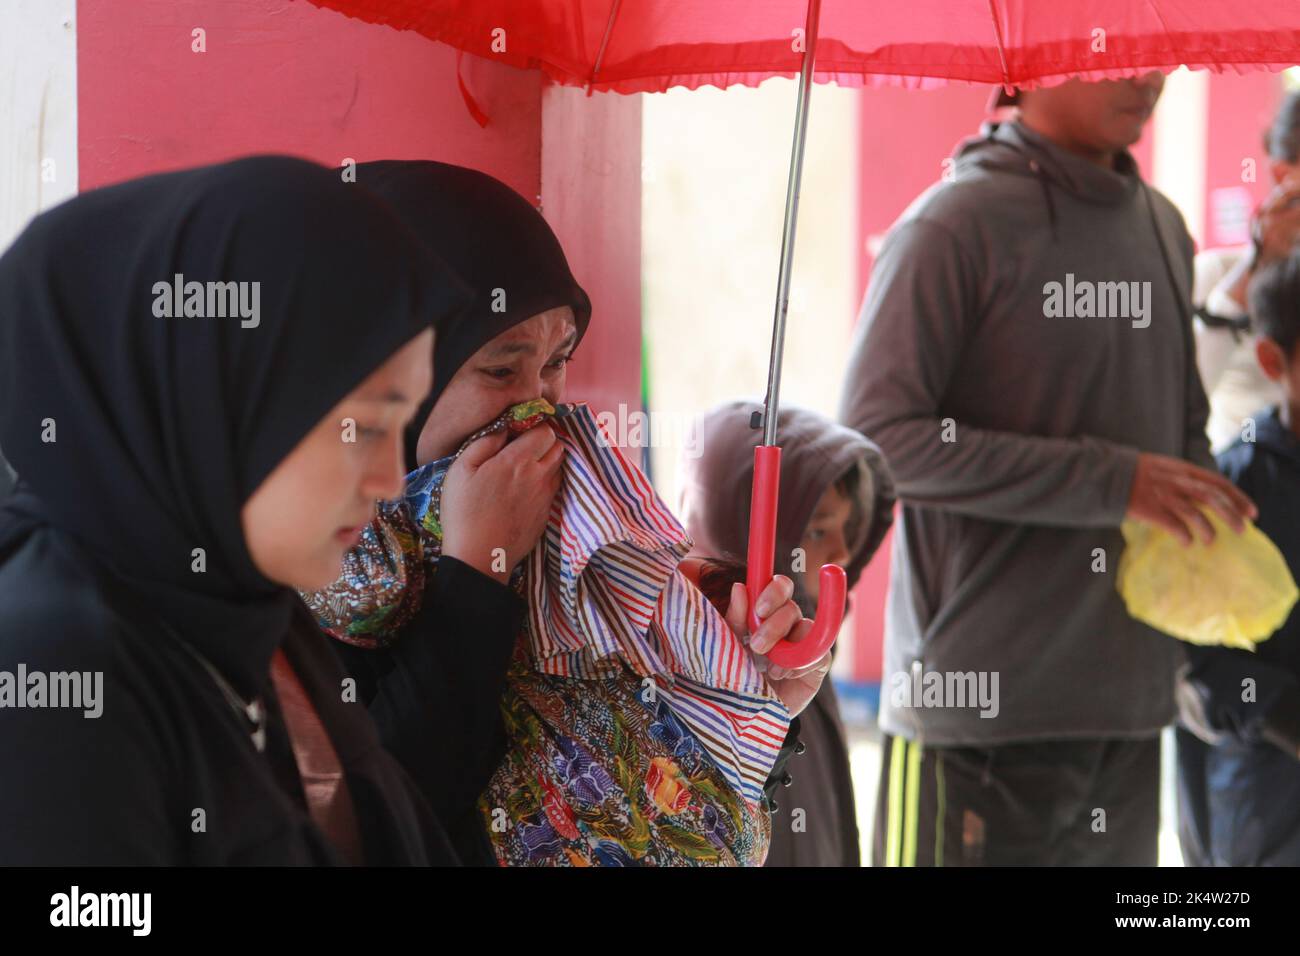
column 1025, row 361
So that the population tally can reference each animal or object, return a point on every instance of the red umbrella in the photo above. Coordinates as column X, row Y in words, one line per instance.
column 634, row 46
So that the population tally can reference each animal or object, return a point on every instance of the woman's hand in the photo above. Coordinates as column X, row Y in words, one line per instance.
column 779, row 619
column 1276, row 225
column 498, row 496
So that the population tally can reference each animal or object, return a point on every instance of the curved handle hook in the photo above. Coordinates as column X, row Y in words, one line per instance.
column 762, row 560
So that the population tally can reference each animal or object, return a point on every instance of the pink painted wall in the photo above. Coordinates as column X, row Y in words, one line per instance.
column 286, row 76
column 905, row 135
column 1240, row 109
column 591, row 196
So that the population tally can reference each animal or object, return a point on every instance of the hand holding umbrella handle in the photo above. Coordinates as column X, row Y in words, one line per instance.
column 762, row 561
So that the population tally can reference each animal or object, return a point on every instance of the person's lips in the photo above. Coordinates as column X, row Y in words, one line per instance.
column 350, row 534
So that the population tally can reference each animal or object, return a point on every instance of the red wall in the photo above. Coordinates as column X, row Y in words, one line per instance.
column 1240, row 109
column 591, row 196
column 283, row 76
column 905, row 135
column 286, row 76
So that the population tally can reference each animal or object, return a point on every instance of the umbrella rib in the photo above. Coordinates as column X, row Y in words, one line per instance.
column 997, row 35
column 600, row 54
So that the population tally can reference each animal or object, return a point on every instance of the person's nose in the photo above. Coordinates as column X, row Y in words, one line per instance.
column 553, row 391
column 838, row 553
column 525, row 389
column 385, row 473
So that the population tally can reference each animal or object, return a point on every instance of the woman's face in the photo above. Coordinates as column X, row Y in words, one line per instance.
column 525, row 362
column 826, row 539
column 310, row 510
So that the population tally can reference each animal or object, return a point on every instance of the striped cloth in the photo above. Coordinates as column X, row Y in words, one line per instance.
column 604, row 591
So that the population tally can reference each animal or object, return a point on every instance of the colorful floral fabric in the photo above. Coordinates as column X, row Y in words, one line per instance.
column 600, row 772
column 640, row 729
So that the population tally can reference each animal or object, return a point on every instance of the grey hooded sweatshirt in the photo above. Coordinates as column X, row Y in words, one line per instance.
column 1025, row 334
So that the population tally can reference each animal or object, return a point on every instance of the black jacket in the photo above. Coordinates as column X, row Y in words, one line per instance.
column 435, row 694
column 168, row 774
column 818, row 781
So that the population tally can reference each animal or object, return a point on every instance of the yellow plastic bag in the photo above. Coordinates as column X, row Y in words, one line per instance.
column 1235, row 592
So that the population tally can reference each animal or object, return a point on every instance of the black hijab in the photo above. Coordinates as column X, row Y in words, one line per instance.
column 166, row 426
column 491, row 237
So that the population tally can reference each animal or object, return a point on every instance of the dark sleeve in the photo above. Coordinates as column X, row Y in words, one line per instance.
column 7, row 478
column 715, row 580
column 921, row 306
column 436, row 695
column 780, row 775
column 83, row 790
column 1234, row 693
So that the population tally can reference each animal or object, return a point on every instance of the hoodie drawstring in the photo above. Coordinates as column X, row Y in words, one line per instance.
column 1047, row 196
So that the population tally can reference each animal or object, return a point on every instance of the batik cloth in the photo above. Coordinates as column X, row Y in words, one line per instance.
column 640, row 729
column 600, row 772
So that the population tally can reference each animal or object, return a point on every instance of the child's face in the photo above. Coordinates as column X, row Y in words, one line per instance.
column 826, row 539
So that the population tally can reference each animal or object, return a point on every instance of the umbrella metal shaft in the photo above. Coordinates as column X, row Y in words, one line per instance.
column 771, row 402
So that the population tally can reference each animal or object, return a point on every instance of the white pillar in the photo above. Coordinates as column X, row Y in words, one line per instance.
column 1180, row 145
column 38, row 118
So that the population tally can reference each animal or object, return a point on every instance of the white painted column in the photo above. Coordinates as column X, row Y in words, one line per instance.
column 38, row 118
column 38, row 110
column 1180, row 145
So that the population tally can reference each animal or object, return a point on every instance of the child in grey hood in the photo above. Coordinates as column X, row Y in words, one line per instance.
column 1024, row 359
column 836, row 505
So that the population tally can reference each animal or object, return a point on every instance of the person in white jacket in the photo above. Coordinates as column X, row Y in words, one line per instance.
column 1225, row 344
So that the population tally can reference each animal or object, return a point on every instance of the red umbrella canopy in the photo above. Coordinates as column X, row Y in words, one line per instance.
column 632, row 46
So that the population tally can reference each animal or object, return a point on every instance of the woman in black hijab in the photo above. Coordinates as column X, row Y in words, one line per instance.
column 206, row 375
column 837, row 502
column 435, row 692
column 434, row 684
column 497, row 243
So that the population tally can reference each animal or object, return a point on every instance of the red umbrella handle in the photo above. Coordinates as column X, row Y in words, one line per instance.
column 762, row 561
